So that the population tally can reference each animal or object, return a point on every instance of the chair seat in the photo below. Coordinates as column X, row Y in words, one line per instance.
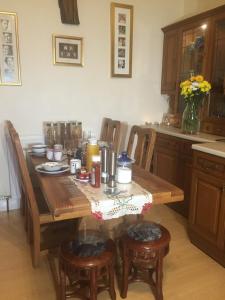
column 144, row 232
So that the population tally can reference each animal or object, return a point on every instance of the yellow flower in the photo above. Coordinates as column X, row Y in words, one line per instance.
column 199, row 78
column 194, row 87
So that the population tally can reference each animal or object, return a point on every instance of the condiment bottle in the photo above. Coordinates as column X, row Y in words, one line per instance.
column 92, row 149
column 96, row 171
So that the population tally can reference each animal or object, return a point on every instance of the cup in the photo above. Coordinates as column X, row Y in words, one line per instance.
column 50, row 154
column 58, row 147
column 58, row 155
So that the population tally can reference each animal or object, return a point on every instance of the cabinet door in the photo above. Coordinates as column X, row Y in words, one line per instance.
column 165, row 166
column 169, row 65
column 217, row 95
column 207, row 207
column 193, row 53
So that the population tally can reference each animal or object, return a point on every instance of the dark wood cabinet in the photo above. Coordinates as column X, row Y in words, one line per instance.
column 173, row 162
column 207, row 206
column 169, row 64
column 197, row 46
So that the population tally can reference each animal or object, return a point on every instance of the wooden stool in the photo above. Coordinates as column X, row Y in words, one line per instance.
column 141, row 259
column 89, row 275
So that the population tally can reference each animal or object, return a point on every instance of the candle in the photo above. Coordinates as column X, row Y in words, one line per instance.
column 123, row 175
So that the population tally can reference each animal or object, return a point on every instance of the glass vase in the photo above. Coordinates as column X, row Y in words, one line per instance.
column 190, row 118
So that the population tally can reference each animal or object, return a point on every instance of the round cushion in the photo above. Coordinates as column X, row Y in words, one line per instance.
column 144, row 232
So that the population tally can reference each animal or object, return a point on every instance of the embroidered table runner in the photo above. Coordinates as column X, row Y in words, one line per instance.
column 130, row 199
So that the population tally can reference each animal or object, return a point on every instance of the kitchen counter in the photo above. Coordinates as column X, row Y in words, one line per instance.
column 210, row 143
column 217, row 148
column 200, row 137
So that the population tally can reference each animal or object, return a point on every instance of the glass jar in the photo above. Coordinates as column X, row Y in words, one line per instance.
column 124, row 168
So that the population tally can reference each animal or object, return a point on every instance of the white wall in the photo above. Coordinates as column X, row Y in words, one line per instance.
column 51, row 92
column 192, row 7
column 88, row 93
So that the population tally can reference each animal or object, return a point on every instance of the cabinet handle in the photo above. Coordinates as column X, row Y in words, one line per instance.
column 223, row 188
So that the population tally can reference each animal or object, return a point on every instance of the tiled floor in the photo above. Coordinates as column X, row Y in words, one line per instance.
column 189, row 274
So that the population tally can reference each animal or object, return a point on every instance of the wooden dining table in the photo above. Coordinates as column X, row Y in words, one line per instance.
column 66, row 201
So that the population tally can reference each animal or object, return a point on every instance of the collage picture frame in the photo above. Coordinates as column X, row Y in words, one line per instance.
column 121, row 39
column 9, row 49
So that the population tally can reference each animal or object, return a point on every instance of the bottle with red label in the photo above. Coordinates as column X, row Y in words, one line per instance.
column 96, row 171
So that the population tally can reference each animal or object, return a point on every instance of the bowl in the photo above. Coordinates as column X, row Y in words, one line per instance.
column 52, row 166
column 40, row 148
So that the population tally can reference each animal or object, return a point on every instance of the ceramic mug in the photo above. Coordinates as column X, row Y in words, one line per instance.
column 50, row 154
column 58, row 155
column 58, row 147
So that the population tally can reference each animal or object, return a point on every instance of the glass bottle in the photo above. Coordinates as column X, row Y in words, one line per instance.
column 92, row 149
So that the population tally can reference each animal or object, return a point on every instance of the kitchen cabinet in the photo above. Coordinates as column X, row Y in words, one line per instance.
column 172, row 161
column 206, row 224
column 194, row 46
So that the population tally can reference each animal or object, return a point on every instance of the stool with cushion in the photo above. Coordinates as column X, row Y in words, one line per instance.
column 86, row 266
column 143, row 247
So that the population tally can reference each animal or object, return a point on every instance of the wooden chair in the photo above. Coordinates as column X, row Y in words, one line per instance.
column 43, row 231
column 84, row 276
column 143, row 261
column 111, row 132
column 145, row 146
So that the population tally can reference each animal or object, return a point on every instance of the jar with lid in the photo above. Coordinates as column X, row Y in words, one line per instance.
column 124, row 168
column 96, row 171
column 92, row 149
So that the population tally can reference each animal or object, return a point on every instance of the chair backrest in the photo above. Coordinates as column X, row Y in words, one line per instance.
column 111, row 132
column 25, row 176
column 144, row 147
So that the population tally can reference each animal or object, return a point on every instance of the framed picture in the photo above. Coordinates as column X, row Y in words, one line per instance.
column 9, row 50
column 67, row 50
column 121, row 40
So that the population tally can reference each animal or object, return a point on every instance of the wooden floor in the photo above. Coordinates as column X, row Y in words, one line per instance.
column 189, row 274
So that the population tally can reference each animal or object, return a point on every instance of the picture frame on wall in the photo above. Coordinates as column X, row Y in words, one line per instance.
column 9, row 49
column 67, row 50
column 121, row 16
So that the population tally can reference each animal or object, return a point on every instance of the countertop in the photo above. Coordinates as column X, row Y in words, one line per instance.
column 200, row 137
column 217, row 148
column 209, row 143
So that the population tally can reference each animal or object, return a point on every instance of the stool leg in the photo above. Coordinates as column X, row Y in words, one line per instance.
column 111, row 282
column 93, row 285
column 125, row 272
column 62, row 283
column 159, row 275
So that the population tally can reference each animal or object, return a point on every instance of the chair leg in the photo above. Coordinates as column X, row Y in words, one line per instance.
column 93, row 285
column 111, row 282
column 62, row 283
column 36, row 246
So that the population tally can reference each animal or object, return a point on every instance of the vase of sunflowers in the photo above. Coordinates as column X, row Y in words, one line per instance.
column 194, row 91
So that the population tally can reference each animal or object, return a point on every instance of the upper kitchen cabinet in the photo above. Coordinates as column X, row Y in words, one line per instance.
column 214, row 120
column 193, row 53
column 197, row 46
